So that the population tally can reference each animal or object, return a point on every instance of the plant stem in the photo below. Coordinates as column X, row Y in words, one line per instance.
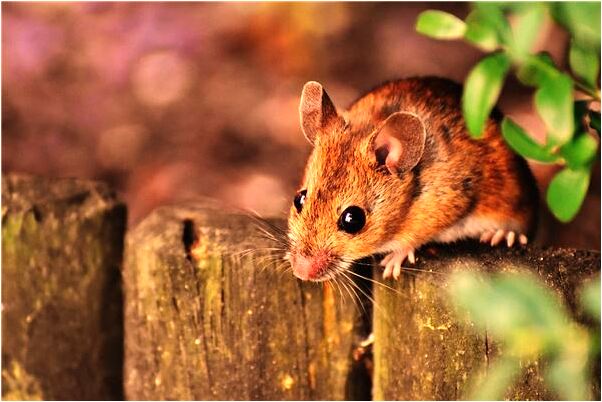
column 594, row 93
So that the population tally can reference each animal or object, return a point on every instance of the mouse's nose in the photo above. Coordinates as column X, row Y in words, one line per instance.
column 309, row 268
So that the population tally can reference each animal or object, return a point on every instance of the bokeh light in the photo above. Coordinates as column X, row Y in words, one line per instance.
column 170, row 101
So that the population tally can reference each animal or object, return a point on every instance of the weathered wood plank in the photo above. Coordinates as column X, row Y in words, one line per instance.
column 220, row 325
column 62, row 244
column 423, row 351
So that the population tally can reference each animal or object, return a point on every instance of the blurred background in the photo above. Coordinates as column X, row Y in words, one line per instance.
column 171, row 101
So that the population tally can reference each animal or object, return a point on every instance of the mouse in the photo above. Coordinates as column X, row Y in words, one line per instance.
column 396, row 170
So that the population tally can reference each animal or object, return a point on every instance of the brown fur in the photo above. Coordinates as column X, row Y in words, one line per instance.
column 457, row 176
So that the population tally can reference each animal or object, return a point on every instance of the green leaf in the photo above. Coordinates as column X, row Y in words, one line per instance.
column 487, row 28
column 536, row 69
column 496, row 10
column 541, row 308
column 440, row 25
column 590, row 297
column 567, row 371
column 518, row 6
column 585, row 63
column 482, row 89
column 580, row 151
column 472, row 293
column 526, row 28
column 567, row 191
column 509, row 306
column 567, row 379
column 581, row 19
column 527, row 318
column 554, row 103
column 500, row 376
column 522, row 143
column 595, row 121
column 488, row 6
column 481, row 34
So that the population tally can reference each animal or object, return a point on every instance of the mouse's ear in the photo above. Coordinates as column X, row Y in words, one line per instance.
column 399, row 143
column 316, row 111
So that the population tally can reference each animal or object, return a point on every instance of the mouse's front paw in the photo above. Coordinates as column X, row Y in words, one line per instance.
column 494, row 237
column 392, row 261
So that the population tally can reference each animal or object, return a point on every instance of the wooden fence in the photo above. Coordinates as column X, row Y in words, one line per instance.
column 198, row 316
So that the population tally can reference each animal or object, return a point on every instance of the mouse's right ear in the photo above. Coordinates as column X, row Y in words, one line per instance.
column 399, row 143
column 316, row 111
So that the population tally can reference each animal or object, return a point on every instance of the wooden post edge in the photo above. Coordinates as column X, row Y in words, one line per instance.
column 211, row 314
column 424, row 351
column 62, row 245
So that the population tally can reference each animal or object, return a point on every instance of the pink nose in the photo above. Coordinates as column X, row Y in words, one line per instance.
column 309, row 268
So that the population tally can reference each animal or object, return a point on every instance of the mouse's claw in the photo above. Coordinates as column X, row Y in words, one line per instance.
column 411, row 257
column 510, row 238
column 486, row 236
column 495, row 237
column 392, row 262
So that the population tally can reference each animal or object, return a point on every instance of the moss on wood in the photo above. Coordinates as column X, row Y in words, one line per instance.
column 423, row 351
column 62, row 243
column 212, row 323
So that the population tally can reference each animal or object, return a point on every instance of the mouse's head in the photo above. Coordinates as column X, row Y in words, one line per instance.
column 357, row 185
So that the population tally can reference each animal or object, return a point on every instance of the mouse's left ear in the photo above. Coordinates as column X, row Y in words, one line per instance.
column 399, row 143
column 316, row 111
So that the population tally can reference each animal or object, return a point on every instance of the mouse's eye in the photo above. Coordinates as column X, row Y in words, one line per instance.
column 352, row 220
column 300, row 200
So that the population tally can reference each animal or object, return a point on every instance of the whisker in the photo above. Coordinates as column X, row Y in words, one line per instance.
column 358, row 303
column 403, row 268
column 258, row 249
column 376, row 305
column 253, row 253
column 346, row 287
column 376, row 282
column 270, row 230
column 279, row 265
column 356, row 286
column 424, row 271
column 349, row 284
column 266, row 258
column 334, row 283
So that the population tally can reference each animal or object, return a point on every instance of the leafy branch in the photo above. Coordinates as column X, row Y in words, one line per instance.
column 509, row 31
column 529, row 320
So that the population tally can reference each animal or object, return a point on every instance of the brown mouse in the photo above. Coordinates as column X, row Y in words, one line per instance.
column 397, row 170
